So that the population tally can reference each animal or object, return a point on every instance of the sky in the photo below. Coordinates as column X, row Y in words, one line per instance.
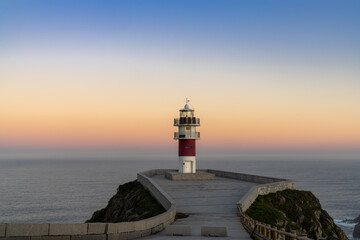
column 273, row 75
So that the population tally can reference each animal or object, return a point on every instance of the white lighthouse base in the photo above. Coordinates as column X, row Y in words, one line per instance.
column 199, row 175
column 187, row 164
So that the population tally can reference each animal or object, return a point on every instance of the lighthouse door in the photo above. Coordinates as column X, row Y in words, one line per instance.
column 187, row 167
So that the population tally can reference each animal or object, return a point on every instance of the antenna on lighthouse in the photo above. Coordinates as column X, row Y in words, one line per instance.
column 186, row 104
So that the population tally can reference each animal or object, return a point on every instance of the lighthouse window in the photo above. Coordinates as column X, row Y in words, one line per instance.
column 188, row 147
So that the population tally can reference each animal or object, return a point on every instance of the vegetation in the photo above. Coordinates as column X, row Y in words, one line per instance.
column 295, row 210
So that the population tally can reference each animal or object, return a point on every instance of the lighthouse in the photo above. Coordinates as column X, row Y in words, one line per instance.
column 187, row 137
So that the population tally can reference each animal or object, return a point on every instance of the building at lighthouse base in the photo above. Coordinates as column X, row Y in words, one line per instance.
column 199, row 175
column 187, row 164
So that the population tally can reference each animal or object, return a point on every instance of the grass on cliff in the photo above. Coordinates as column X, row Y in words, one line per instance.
column 278, row 207
column 263, row 211
column 295, row 210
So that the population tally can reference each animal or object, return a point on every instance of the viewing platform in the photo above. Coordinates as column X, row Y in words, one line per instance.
column 211, row 204
column 212, row 207
column 208, row 203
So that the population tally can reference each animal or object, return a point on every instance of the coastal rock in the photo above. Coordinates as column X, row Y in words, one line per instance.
column 355, row 220
column 295, row 210
column 132, row 202
column 356, row 232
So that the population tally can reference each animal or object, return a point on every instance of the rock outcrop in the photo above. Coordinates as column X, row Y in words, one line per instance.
column 356, row 232
column 132, row 202
column 295, row 210
column 356, row 220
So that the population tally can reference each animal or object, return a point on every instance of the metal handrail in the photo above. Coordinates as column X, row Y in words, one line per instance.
column 264, row 231
column 190, row 136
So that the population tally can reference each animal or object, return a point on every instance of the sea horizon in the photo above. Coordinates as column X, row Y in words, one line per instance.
column 68, row 190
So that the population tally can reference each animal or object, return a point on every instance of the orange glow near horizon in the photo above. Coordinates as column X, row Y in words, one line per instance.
column 131, row 126
column 122, row 88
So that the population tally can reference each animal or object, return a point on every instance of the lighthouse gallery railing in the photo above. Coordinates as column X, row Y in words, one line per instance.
column 184, row 136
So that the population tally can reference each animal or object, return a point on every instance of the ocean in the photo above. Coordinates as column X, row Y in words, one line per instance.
column 70, row 190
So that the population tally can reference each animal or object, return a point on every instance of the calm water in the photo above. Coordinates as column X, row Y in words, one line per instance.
column 71, row 190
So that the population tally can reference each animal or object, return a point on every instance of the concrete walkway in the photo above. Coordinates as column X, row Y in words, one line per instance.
column 208, row 203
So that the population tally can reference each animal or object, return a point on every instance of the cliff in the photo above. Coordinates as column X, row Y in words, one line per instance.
column 295, row 210
column 132, row 202
column 356, row 232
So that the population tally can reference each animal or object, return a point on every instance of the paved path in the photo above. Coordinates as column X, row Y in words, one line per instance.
column 208, row 203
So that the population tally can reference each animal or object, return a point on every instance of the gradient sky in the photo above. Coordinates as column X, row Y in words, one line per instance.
column 113, row 74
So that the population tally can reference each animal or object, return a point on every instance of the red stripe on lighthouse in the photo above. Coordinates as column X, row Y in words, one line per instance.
column 187, row 147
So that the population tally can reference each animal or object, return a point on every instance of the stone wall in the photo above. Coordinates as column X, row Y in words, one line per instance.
column 246, row 201
column 97, row 231
column 268, row 185
column 158, row 193
column 244, row 177
column 86, row 231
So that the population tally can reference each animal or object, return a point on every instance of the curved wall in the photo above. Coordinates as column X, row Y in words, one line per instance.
column 246, row 201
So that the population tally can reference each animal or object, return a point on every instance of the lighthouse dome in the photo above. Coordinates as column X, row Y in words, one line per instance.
column 186, row 108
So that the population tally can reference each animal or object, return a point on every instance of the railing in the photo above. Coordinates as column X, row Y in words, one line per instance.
column 187, row 136
column 260, row 230
column 186, row 121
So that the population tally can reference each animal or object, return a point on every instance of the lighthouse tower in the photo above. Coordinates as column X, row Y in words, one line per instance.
column 187, row 136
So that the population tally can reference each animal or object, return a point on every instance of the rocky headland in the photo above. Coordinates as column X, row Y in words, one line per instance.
column 356, row 232
column 295, row 210
column 132, row 202
column 289, row 209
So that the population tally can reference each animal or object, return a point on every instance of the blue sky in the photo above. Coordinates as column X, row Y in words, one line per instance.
column 284, row 72
column 271, row 26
